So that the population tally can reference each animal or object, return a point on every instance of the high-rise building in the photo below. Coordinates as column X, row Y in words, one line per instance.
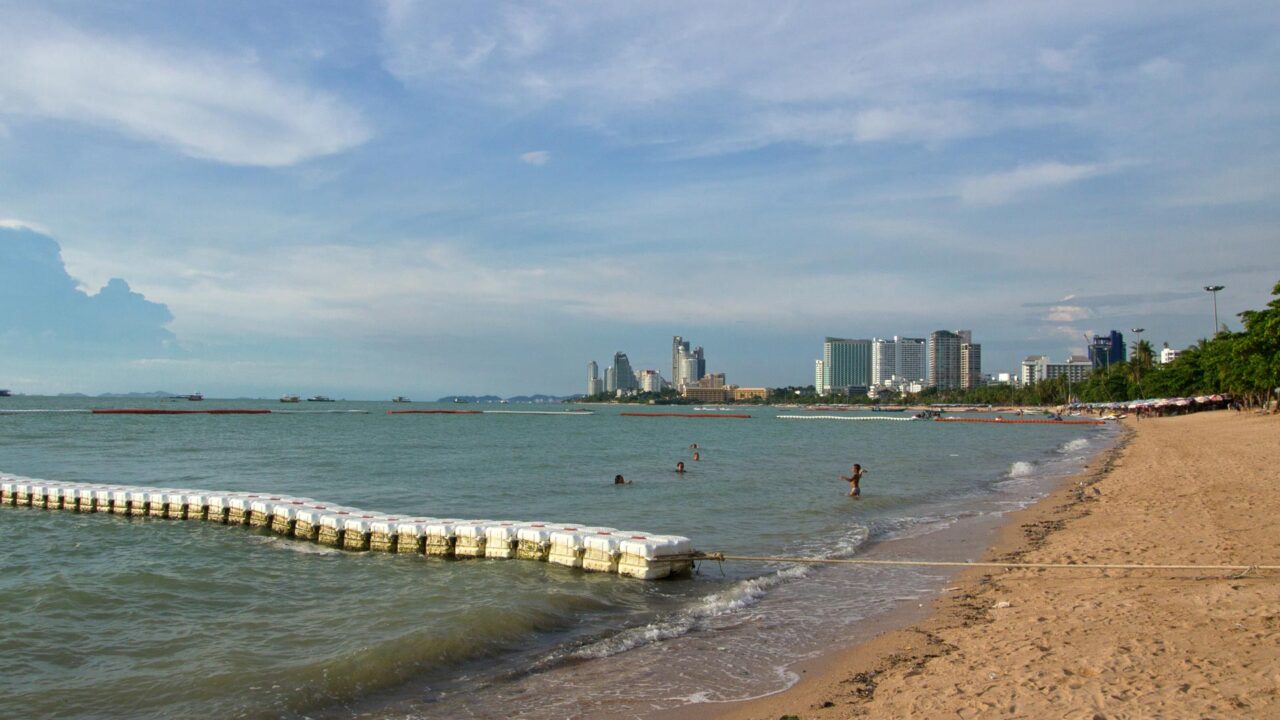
column 622, row 374
column 901, row 358
column 1106, row 350
column 1168, row 354
column 610, row 380
column 594, row 386
column 701, row 365
column 970, row 365
column 846, row 364
column 688, row 370
column 1038, row 368
column 678, row 345
column 944, row 359
column 819, row 377
column 650, row 381
column 912, row 360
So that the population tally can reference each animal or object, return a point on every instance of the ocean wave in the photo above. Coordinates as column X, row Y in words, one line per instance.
column 1074, row 446
column 1021, row 469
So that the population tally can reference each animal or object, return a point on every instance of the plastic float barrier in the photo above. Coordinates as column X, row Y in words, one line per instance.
column 599, row 549
column 411, row 535
column 159, row 411
column 684, row 415
column 500, row 540
column 469, row 538
column 383, row 535
column 533, row 541
column 435, row 412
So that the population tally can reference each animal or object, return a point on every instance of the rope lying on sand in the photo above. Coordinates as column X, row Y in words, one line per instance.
column 719, row 557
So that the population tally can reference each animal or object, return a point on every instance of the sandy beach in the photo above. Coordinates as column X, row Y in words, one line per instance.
column 1196, row 489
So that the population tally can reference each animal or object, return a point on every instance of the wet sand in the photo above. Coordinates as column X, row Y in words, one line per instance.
column 1196, row 489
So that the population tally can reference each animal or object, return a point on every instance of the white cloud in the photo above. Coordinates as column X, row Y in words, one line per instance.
column 1067, row 314
column 216, row 108
column 1002, row 187
column 536, row 157
column 16, row 224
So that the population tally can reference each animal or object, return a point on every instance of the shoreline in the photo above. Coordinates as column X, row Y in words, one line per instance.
column 954, row 657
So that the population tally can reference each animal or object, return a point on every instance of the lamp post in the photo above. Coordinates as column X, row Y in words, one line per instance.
column 1213, row 290
column 1137, row 366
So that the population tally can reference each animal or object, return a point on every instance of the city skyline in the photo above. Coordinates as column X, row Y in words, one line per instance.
column 371, row 200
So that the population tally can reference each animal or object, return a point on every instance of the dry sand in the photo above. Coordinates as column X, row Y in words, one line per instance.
column 1197, row 489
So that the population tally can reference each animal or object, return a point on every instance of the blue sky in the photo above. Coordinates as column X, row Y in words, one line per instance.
column 372, row 199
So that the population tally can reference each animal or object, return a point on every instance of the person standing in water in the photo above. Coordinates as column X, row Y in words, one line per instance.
column 855, row 477
column 680, row 467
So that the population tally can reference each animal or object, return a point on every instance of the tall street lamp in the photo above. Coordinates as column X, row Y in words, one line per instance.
column 1213, row 289
column 1137, row 347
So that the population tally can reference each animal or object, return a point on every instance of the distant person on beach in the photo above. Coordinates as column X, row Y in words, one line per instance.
column 617, row 480
column 855, row 477
column 680, row 467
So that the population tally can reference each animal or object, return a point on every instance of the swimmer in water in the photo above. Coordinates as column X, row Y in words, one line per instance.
column 617, row 480
column 696, row 457
column 693, row 446
column 855, row 477
column 680, row 467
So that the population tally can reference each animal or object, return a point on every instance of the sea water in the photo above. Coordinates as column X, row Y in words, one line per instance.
column 109, row 616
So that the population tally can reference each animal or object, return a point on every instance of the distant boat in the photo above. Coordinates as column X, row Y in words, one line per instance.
column 290, row 398
column 400, row 398
column 320, row 398
column 878, row 408
column 5, row 393
column 193, row 397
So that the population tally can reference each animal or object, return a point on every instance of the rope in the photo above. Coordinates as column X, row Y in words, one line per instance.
column 721, row 557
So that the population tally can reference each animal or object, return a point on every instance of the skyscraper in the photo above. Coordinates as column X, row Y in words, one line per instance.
column 970, row 365
column 1105, row 351
column 701, row 364
column 820, row 377
column 623, row 376
column 594, row 386
column 901, row 358
column 610, row 380
column 678, row 345
column 944, row 357
column 846, row 364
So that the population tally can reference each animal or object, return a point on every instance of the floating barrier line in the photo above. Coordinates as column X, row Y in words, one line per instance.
column 599, row 549
column 1021, row 421
column 435, row 412
column 162, row 411
column 685, row 415
column 964, row 563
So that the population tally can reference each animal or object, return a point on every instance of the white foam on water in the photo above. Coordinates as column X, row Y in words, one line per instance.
column 1074, row 446
column 1021, row 469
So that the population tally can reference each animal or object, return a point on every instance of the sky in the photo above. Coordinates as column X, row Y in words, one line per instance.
column 413, row 198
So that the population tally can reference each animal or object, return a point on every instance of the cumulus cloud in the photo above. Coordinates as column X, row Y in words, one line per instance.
column 207, row 106
column 1067, row 314
column 1003, row 187
column 43, row 312
column 536, row 157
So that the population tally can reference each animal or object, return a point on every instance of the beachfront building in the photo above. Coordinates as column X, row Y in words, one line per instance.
column 819, row 377
column 687, row 366
column 650, row 381
column 970, row 365
column 846, row 366
column 1106, row 350
column 595, row 385
column 1038, row 368
column 900, row 358
column 623, row 377
column 752, row 393
column 705, row 394
column 1168, row 354
column 944, row 357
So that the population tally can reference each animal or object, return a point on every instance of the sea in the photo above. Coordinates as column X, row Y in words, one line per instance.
column 105, row 616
